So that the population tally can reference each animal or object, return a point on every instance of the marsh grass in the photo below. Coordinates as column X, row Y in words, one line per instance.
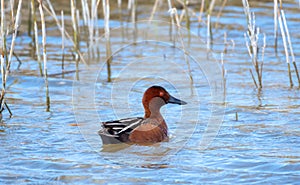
column 41, row 10
column 286, row 30
column 174, row 16
column 224, row 75
column 86, row 12
column 284, row 40
column 5, row 66
column 75, row 30
column 106, row 12
column 275, row 24
column 35, row 37
column 62, row 30
column 253, row 48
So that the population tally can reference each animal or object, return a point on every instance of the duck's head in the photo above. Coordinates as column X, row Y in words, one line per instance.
column 155, row 97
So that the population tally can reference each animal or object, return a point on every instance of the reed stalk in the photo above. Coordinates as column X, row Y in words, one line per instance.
column 98, row 49
column 90, row 17
column 275, row 24
column 62, row 43
column 75, row 36
column 51, row 11
column 12, row 3
column 3, row 83
column 224, row 74
column 211, row 6
column 5, row 70
column 263, row 56
column 152, row 12
column 3, row 35
column 209, row 13
column 77, row 14
column 253, row 78
column 225, row 43
column 94, row 33
column 121, row 16
column 208, row 33
column 75, row 28
column 201, row 10
column 284, row 40
column 290, row 45
column 280, row 4
column 85, row 12
column 29, row 28
column 171, row 11
column 36, row 37
column 14, row 35
column 253, row 49
column 2, row 28
column 187, row 18
column 132, row 4
column 297, row 73
column 87, row 23
column 219, row 13
column 174, row 12
column 44, row 54
column 95, row 5
column 106, row 12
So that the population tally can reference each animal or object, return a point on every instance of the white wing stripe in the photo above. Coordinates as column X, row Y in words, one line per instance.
column 131, row 125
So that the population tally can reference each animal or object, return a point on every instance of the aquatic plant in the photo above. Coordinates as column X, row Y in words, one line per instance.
column 287, row 41
column 5, row 66
column 84, row 21
column 62, row 43
column 275, row 24
column 253, row 48
column 35, row 36
column 44, row 54
column 106, row 12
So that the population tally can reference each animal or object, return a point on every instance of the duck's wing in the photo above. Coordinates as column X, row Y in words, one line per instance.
column 122, row 125
column 119, row 130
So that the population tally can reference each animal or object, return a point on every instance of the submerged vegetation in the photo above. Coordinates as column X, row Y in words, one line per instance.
column 84, row 22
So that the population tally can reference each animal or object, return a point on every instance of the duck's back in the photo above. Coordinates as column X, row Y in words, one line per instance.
column 117, row 131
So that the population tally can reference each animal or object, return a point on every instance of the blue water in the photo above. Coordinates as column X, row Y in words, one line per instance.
column 251, row 137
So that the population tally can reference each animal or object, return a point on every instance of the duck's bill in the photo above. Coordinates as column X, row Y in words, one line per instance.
column 176, row 101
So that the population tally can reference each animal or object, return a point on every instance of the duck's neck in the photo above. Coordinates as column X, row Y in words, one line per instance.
column 152, row 114
column 152, row 109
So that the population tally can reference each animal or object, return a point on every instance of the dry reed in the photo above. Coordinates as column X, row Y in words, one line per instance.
column 253, row 49
column 5, row 66
column 51, row 12
column 290, row 45
column 75, row 29
column 224, row 75
column 173, row 11
column 208, row 34
column 62, row 43
column 36, row 37
column 44, row 54
column 284, row 40
column 106, row 12
column 275, row 24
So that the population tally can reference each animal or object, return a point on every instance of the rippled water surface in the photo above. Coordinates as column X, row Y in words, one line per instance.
column 258, row 141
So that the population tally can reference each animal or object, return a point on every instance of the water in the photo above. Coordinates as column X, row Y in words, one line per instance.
column 257, row 142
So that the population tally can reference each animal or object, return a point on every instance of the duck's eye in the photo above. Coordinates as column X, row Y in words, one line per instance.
column 161, row 94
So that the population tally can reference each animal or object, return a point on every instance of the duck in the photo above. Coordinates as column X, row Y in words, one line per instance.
column 149, row 129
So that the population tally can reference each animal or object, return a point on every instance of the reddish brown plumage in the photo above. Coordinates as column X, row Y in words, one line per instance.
column 151, row 129
column 150, row 93
column 149, row 133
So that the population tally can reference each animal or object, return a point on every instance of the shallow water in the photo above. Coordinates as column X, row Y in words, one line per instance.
column 257, row 142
